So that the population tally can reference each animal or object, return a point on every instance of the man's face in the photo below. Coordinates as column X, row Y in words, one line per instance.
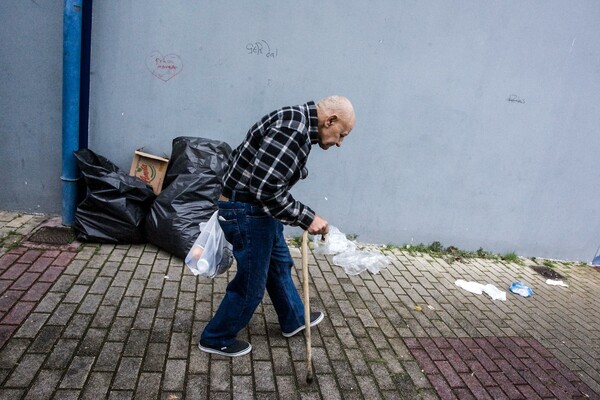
column 333, row 132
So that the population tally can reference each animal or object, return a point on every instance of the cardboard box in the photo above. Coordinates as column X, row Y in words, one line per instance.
column 149, row 168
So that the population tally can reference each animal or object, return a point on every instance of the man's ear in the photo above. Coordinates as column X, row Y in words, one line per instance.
column 332, row 119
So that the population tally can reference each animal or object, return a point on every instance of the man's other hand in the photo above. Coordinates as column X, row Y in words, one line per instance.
column 318, row 226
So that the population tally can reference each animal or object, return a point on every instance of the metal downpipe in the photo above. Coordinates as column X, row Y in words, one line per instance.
column 70, row 106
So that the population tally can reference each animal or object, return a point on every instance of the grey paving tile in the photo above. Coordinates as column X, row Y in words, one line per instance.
column 127, row 374
column 97, row 386
column 175, row 372
column 77, row 373
column 25, row 371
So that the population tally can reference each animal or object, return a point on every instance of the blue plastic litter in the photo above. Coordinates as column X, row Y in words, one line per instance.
column 521, row 289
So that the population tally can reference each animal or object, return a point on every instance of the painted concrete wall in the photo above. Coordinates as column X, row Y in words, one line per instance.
column 477, row 122
column 30, row 105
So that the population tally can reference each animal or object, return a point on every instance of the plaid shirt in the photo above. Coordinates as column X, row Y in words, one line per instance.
column 272, row 159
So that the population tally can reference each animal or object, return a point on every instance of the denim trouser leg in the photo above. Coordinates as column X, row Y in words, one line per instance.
column 280, row 286
column 258, row 247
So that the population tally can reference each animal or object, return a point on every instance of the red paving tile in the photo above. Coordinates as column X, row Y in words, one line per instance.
column 30, row 256
column 51, row 274
column 6, row 331
column 26, row 275
column 41, row 264
column 64, row 258
column 14, row 271
column 495, row 368
column 37, row 291
column 7, row 260
column 18, row 313
column 25, row 281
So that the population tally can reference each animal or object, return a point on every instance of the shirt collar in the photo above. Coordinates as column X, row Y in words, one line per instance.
column 313, row 121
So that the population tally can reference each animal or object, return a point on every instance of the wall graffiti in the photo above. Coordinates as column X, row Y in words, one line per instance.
column 164, row 67
column 262, row 48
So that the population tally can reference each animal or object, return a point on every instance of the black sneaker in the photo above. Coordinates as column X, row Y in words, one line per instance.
column 315, row 318
column 238, row 348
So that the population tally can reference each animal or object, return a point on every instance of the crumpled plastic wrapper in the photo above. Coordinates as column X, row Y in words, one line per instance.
column 347, row 256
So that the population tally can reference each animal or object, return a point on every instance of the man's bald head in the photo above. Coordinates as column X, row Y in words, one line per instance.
column 336, row 120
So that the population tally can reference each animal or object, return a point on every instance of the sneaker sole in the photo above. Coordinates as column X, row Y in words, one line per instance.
column 315, row 322
column 222, row 353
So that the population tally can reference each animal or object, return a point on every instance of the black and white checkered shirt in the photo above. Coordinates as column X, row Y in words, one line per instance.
column 272, row 158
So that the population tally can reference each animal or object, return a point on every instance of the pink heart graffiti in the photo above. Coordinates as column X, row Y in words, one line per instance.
column 164, row 67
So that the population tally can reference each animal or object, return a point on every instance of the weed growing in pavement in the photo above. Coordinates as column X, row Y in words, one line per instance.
column 11, row 240
column 549, row 264
column 295, row 241
column 451, row 254
column 511, row 257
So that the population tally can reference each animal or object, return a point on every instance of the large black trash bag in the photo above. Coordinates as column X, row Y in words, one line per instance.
column 115, row 206
column 191, row 190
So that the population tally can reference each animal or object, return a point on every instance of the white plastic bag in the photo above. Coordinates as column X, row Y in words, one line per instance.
column 211, row 253
column 354, row 262
column 346, row 256
column 336, row 242
column 478, row 288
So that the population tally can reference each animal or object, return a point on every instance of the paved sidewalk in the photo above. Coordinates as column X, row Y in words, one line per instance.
column 121, row 322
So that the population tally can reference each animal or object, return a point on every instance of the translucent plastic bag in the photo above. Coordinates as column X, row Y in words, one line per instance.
column 211, row 254
column 336, row 242
column 354, row 262
column 346, row 256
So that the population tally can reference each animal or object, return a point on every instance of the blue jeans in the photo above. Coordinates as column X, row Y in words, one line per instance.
column 263, row 261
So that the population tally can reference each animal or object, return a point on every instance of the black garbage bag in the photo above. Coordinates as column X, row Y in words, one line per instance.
column 115, row 206
column 191, row 190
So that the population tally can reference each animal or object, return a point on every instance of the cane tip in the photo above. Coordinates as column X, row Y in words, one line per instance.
column 309, row 378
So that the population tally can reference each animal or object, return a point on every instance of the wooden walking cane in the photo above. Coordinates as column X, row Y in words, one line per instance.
column 309, row 367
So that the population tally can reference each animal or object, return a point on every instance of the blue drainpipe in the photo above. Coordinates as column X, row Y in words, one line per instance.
column 70, row 106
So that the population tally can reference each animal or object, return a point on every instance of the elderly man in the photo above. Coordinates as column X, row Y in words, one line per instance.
column 253, row 208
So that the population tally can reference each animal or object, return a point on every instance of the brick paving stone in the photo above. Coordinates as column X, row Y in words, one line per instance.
column 14, row 271
column 127, row 373
column 25, row 371
column 197, row 387
column 61, row 354
column 8, row 260
column 44, row 385
column 134, row 312
column 25, row 281
column 62, row 314
column 97, row 386
column 77, row 373
column 109, row 357
column 161, row 330
column 155, row 357
column 44, row 342
column 37, row 291
column 382, row 376
column 51, row 274
column 441, row 386
column 18, row 313
column 63, row 284
column 449, row 374
column 220, row 378
column 63, row 259
column 29, row 256
column 77, row 326
column 9, row 299
column 136, row 343
column 92, row 342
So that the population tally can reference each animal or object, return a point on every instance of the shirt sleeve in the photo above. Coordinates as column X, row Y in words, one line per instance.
column 275, row 164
